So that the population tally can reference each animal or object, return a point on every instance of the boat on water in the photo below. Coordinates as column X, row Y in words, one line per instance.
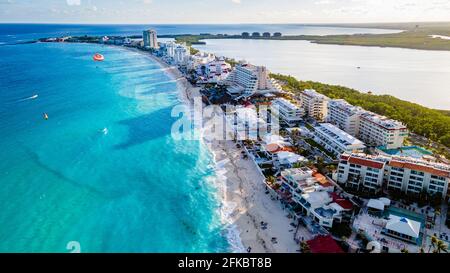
column 98, row 57
column 29, row 98
column 45, row 116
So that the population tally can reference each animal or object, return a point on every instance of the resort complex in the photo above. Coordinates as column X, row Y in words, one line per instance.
column 374, row 129
column 342, row 175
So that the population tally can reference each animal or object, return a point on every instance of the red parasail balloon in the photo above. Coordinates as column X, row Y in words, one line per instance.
column 98, row 57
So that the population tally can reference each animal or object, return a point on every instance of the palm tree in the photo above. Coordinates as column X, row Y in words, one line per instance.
column 305, row 247
column 271, row 180
column 434, row 241
column 405, row 251
column 441, row 247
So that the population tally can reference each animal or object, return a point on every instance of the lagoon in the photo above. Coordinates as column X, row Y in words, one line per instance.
column 419, row 76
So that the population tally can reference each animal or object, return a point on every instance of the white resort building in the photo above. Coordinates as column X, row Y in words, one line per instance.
column 361, row 170
column 245, row 123
column 290, row 113
column 199, row 61
column 380, row 131
column 337, row 141
column 214, row 71
column 404, row 174
column 247, row 80
column 414, row 176
column 150, row 39
column 182, row 54
column 169, row 49
column 314, row 196
column 373, row 129
column 314, row 104
column 344, row 115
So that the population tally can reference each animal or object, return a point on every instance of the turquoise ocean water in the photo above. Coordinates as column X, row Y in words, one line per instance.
column 134, row 189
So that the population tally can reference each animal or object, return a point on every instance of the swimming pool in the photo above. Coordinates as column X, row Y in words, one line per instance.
column 411, row 151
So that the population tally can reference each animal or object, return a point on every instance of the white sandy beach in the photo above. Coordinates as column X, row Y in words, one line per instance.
column 243, row 190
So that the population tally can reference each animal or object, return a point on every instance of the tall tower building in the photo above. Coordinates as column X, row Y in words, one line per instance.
column 150, row 39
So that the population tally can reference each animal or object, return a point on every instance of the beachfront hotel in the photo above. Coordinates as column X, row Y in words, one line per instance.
column 373, row 129
column 199, row 60
column 168, row 49
column 247, row 80
column 406, row 174
column 182, row 54
column 337, row 141
column 245, row 123
column 289, row 113
column 314, row 196
column 213, row 71
column 150, row 39
column 314, row 104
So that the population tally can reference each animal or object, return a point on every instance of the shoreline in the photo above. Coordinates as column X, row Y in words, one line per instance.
column 241, row 190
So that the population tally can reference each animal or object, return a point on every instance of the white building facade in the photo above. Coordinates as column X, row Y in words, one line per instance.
column 415, row 176
column 359, row 171
column 337, row 141
column 409, row 175
column 150, row 39
column 181, row 54
column 373, row 129
column 290, row 113
column 314, row 104
column 247, row 80
column 214, row 71
column 377, row 130
column 344, row 115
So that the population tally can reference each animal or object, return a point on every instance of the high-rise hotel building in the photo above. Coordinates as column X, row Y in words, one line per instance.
column 150, row 39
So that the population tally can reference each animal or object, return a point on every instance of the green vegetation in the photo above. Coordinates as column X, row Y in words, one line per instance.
column 437, row 245
column 193, row 50
column 190, row 39
column 406, row 39
column 433, row 124
column 414, row 35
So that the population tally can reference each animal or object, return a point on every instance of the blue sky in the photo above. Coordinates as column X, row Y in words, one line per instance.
column 223, row 11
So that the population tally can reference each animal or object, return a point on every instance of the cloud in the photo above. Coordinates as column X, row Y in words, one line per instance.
column 324, row 2
column 236, row 1
column 73, row 2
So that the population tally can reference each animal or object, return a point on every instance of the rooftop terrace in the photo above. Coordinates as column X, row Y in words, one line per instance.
column 383, row 121
column 338, row 134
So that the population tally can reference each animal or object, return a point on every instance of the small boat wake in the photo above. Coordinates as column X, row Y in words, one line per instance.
column 29, row 98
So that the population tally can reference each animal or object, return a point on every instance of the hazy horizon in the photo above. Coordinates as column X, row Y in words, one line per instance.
column 214, row 23
column 223, row 11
